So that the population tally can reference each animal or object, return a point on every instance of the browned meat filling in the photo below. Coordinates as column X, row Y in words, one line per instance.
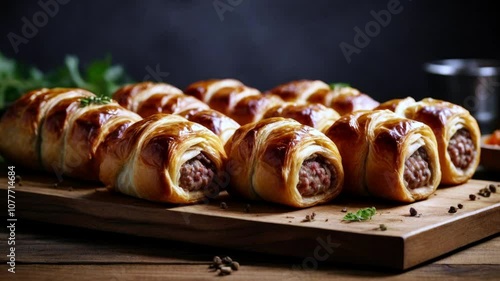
column 197, row 173
column 417, row 170
column 315, row 176
column 461, row 149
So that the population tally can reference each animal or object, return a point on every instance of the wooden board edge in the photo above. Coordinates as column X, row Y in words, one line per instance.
column 312, row 244
column 416, row 244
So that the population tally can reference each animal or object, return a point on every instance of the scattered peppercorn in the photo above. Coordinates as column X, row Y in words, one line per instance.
column 493, row 188
column 413, row 212
column 225, row 265
column 344, row 210
column 55, row 184
column 326, row 220
column 313, row 215
column 227, row 260
column 18, row 178
column 225, row 270
column 472, row 197
column 247, row 208
column 452, row 210
column 383, row 227
column 223, row 205
column 485, row 192
column 235, row 265
column 307, row 219
column 460, row 206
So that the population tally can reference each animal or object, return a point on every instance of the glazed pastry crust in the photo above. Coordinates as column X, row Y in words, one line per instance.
column 220, row 124
column 148, row 98
column 266, row 157
column 23, row 122
column 375, row 145
column 146, row 161
column 445, row 119
column 314, row 115
column 344, row 100
column 232, row 98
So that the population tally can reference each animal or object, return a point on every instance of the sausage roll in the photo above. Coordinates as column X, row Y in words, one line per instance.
column 164, row 158
column 282, row 161
column 387, row 156
column 221, row 125
column 457, row 133
column 232, row 98
column 343, row 99
column 51, row 130
column 148, row 98
column 313, row 114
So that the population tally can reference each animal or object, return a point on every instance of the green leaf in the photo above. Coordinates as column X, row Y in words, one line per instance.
column 335, row 86
column 360, row 215
column 94, row 100
column 100, row 77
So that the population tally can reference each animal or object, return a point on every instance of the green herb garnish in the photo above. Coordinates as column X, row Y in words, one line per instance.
column 94, row 100
column 100, row 77
column 360, row 215
column 335, row 86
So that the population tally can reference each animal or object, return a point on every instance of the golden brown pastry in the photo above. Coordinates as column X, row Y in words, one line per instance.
column 457, row 133
column 343, row 99
column 50, row 129
column 232, row 98
column 282, row 161
column 313, row 114
column 221, row 125
column 148, row 98
column 387, row 156
column 164, row 158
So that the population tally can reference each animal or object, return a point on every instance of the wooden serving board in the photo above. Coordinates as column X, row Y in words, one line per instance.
column 267, row 228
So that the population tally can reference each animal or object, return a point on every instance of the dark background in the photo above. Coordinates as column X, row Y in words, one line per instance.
column 262, row 43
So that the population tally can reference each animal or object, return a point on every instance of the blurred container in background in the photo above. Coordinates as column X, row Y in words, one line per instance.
column 471, row 83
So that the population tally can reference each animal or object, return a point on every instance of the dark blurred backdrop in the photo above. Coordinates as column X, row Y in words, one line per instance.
column 263, row 43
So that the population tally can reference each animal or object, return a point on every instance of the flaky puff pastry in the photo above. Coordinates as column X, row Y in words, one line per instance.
column 234, row 99
column 220, row 124
column 22, row 122
column 375, row 146
column 266, row 158
column 343, row 99
column 51, row 130
column 312, row 114
column 148, row 98
column 149, row 160
column 445, row 120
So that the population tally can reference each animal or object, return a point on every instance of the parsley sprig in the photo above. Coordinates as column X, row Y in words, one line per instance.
column 94, row 100
column 360, row 215
column 100, row 77
column 337, row 86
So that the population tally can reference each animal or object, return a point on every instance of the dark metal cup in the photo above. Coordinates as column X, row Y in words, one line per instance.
column 471, row 83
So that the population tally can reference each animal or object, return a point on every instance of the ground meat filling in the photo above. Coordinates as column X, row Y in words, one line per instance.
column 197, row 173
column 316, row 176
column 461, row 149
column 417, row 170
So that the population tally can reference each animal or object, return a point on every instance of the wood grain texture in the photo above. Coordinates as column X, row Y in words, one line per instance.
column 197, row 272
column 273, row 229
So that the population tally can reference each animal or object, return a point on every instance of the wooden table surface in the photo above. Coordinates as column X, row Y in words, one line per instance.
column 53, row 252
